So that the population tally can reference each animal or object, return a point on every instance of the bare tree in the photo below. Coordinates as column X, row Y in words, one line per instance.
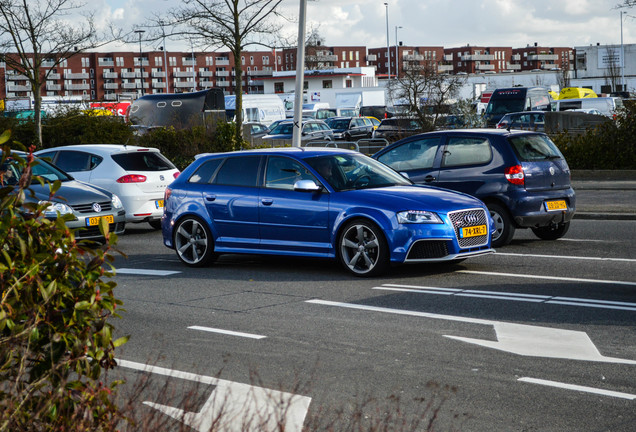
column 234, row 24
column 427, row 92
column 34, row 34
column 613, row 70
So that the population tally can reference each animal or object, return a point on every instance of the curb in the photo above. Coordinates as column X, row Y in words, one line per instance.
column 604, row 216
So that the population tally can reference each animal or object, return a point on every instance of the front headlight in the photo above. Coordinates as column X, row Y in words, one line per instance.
column 418, row 217
column 53, row 208
column 116, row 202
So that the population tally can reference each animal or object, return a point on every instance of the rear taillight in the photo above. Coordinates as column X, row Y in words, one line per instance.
column 132, row 178
column 166, row 195
column 515, row 175
column 176, row 174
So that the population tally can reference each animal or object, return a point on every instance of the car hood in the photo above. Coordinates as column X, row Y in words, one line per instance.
column 72, row 192
column 414, row 197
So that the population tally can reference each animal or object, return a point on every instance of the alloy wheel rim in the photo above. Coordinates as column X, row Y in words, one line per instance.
column 191, row 241
column 360, row 249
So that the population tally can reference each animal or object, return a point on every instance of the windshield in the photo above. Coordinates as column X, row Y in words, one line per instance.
column 283, row 129
column 534, row 148
column 355, row 171
column 338, row 124
column 505, row 105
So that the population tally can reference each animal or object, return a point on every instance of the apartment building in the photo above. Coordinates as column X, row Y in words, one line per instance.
column 402, row 58
column 323, row 57
column 534, row 57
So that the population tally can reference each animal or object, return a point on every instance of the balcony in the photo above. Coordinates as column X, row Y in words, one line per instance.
column 478, row 57
column 485, row 67
column 144, row 62
column 445, row 68
column 158, row 84
column 18, row 88
column 103, row 62
column 182, row 74
column 516, row 57
column 321, row 58
column 413, row 57
column 186, row 61
column 111, row 86
column 75, row 76
column 448, row 57
column 77, row 87
column 206, row 84
column 158, row 74
column 130, row 86
column 184, row 84
column 16, row 77
column 512, row 66
column 53, row 76
column 111, row 75
column 222, row 62
column 543, row 57
column 110, row 97
column 53, row 87
column 259, row 73
column 206, row 73
column 372, row 58
column 222, row 83
column 223, row 73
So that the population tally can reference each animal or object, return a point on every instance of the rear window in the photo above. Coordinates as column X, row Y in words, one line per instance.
column 143, row 161
column 531, row 148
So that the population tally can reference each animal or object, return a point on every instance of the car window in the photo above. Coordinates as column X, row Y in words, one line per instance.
column 143, row 161
column 534, row 147
column 283, row 173
column 239, row 171
column 466, row 151
column 205, row 172
column 418, row 154
column 71, row 161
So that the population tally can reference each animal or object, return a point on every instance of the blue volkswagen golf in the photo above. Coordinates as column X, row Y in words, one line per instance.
column 318, row 202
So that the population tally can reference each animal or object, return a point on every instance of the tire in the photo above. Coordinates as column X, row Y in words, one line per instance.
column 362, row 249
column 156, row 224
column 552, row 233
column 504, row 228
column 193, row 242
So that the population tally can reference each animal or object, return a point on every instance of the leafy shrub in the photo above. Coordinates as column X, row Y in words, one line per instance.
column 76, row 127
column 610, row 145
column 55, row 338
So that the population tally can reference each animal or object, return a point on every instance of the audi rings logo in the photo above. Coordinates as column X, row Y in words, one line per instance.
column 471, row 219
column 97, row 208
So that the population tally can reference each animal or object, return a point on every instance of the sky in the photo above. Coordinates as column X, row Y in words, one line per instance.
column 447, row 23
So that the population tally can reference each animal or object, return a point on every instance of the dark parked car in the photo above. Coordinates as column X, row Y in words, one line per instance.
column 526, row 120
column 350, row 128
column 320, row 202
column 313, row 130
column 395, row 128
column 521, row 176
column 87, row 204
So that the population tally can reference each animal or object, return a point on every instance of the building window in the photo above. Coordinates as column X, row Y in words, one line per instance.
column 158, row 61
column 279, row 87
column 327, row 84
column 306, row 85
column 348, row 83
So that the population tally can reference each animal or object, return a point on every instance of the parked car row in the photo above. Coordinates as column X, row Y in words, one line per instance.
column 431, row 197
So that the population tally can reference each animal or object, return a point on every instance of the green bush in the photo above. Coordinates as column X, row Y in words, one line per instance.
column 76, row 127
column 609, row 146
column 55, row 336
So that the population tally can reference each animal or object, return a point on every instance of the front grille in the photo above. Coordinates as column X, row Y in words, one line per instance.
column 427, row 249
column 88, row 208
column 468, row 218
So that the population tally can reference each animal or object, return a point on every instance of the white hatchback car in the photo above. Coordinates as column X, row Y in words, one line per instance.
column 138, row 175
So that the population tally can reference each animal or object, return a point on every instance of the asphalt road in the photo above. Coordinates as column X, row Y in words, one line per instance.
column 538, row 337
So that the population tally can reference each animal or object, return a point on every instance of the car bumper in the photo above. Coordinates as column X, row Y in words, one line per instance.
column 87, row 227
column 529, row 210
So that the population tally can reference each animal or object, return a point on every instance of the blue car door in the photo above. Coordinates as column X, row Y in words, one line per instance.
column 417, row 157
column 292, row 220
column 465, row 166
column 232, row 203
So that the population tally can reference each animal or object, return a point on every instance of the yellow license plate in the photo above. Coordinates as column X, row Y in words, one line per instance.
column 473, row 231
column 159, row 204
column 556, row 205
column 92, row 221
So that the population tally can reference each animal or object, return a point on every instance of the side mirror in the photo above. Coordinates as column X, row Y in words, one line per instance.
column 306, row 186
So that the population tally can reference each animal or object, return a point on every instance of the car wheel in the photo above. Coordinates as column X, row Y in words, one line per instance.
column 193, row 242
column 347, row 137
column 156, row 224
column 362, row 248
column 504, row 228
column 551, row 233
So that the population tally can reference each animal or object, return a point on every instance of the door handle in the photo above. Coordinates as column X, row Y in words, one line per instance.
column 267, row 201
column 210, row 197
column 429, row 178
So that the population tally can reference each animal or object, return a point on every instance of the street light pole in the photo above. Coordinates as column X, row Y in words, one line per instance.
column 388, row 46
column 300, row 76
column 141, row 61
column 397, row 54
column 165, row 57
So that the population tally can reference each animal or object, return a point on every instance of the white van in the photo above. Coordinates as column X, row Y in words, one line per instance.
column 606, row 105
column 259, row 108
column 310, row 109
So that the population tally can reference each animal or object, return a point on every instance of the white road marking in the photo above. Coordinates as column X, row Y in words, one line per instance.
column 578, row 388
column 532, row 298
column 227, row 332
column 585, row 240
column 145, row 272
column 566, row 257
column 518, row 339
column 556, row 278
column 233, row 405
